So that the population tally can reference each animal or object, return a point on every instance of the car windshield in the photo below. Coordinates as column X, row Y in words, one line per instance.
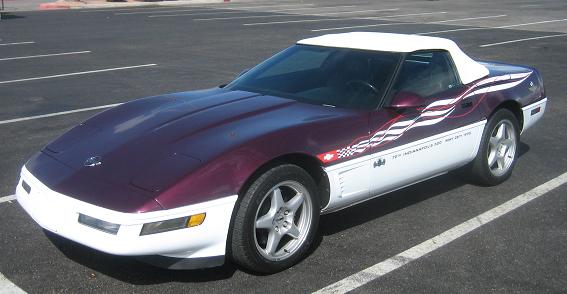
column 321, row 75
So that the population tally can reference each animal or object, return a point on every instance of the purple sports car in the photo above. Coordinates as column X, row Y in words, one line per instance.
column 243, row 171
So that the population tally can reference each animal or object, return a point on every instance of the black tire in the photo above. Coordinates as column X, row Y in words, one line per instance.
column 480, row 171
column 247, row 240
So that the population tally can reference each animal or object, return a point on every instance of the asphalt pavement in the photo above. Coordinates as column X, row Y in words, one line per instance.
column 56, row 65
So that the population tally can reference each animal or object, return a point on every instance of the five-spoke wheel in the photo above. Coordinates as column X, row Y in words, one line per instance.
column 501, row 148
column 283, row 220
column 496, row 156
column 276, row 220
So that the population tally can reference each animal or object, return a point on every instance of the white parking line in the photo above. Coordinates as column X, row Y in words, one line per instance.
column 44, row 55
column 288, row 15
column 195, row 7
column 406, row 23
column 7, row 199
column 531, row 23
column 178, row 10
column 380, row 269
column 349, row 18
column 18, row 43
column 9, row 121
column 530, row 5
column 76, row 73
column 499, row 27
column 303, row 20
column 452, row 30
column 522, row 40
column 363, row 26
column 232, row 6
column 198, row 12
column 163, row 5
column 468, row 18
column 233, row 12
column 7, row 287
column 412, row 14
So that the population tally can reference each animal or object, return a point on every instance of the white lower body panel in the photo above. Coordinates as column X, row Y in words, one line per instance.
column 59, row 214
column 532, row 113
column 363, row 178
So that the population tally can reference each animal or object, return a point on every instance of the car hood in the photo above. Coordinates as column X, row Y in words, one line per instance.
column 149, row 143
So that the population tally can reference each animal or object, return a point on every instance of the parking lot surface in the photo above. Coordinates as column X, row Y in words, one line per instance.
column 58, row 68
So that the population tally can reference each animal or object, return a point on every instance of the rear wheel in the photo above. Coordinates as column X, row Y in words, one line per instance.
column 276, row 220
column 497, row 154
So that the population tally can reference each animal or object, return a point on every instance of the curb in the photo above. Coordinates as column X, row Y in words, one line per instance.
column 62, row 4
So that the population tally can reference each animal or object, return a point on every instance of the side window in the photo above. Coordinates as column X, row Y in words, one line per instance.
column 426, row 74
column 300, row 61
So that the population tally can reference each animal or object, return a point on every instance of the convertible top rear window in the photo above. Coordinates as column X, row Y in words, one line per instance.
column 322, row 75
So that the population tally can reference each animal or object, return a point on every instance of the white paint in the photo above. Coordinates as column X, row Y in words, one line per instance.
column 9, row 121
column 380, row 269
column 289, row 15
column 468, row 18
column 522, row 40
column 197, row 7
column 232, row 12
column 18, row 43
column 530, row 5
column 363, row 26
column 7, row 199
column 303, row 20
column 468, row 69
column 349, row 183
column 7, row 287
column 77, row 73
column 452, row 30
column 403, row 169
column 489, row 28
column 318, row 20
column 411, row 14
column 218, row 11
column 529, row 119
column 530, row 23
column 58, row 213
column 44, row 55
column 197, row 11
column 406, row 23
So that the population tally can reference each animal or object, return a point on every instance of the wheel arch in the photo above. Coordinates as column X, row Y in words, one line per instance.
column 515, row 108
column 307, row 162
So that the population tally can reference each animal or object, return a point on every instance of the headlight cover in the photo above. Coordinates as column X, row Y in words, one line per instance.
column 98, row 224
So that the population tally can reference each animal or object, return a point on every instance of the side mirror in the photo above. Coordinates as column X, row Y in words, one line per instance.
column 405, row 99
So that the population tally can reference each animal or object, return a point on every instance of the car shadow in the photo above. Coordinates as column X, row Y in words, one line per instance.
column 380, row 206
column 130, row 270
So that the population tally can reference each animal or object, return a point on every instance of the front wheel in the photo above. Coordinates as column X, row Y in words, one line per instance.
column 276, row 220
column 497, row 153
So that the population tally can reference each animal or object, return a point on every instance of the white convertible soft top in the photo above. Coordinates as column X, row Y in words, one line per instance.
column 468, row 69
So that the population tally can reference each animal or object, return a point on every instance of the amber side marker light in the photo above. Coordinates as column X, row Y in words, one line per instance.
column 173, row 224
column 196, row 220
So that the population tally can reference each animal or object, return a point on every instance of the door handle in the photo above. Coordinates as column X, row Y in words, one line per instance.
column 466, row 103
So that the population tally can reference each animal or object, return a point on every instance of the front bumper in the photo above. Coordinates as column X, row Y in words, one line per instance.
column 59, row 214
